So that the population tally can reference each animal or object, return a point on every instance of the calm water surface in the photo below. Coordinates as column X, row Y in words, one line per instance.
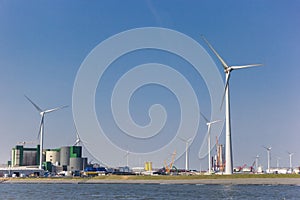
column 146, row 191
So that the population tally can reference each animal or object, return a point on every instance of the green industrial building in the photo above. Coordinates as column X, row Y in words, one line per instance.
column 22, row 156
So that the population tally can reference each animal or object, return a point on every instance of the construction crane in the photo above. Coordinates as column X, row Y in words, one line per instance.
column 170, row 166
column 220, row 166
column 240, row 168
column 252, row 167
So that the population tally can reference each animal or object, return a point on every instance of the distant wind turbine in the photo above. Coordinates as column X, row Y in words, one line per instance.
column 127, row 158
column 41, row 130
column 227, row 70
column 256, row 162
column 186, row 152
column 208, row 123
column 290, row 155
column 269, row 157
column 277, row 162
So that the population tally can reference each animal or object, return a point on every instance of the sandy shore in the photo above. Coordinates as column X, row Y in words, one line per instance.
column 237, row 181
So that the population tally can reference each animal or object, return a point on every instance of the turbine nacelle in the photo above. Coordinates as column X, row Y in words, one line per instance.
column 268, row 148
column 290, row 154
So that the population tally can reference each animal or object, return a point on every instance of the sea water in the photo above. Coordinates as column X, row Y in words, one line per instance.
column 146, row 191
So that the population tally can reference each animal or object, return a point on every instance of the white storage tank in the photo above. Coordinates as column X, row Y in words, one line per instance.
column 53, row 156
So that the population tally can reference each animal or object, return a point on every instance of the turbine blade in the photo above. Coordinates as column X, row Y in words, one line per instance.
column 215, row 121
column 204, row 117
column 245, row 66
column 127, row 153
column 215, row 52
column 54, row 109
column 208, row 129
column 38, row 108
column 84, row 142
column 226, row 86
column 185, row 140
column 182, row 139
column 41, row 124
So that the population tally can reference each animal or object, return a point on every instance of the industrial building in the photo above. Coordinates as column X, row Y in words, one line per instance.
column 22, row 156
column 67, row 158
column 20, row 171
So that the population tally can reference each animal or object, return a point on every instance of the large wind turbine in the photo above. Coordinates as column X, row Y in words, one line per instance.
column 269, row 157
column 186, row 152
column 41, row 131
column 227, row 70
column 208, row 123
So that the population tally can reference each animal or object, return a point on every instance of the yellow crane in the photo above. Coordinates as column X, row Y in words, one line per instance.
column 169, row 167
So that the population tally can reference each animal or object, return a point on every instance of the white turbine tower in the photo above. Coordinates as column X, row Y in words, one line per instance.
column 228, row 145
column 269, row 157
column 290, row 155
column 127, row 158
column 256, row 162
column 41, row 130
column 186, row 152
column 208, row 123
column 277, row 162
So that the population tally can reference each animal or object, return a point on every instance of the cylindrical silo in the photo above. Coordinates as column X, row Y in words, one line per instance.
column 53, row 156
column 76, row 164
column 84, row 163
column 64, row 156
column 148, row 166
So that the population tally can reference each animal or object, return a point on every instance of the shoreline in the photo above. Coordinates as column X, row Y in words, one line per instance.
column 121, row 180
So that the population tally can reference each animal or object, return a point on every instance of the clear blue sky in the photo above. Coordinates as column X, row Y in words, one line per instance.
column 43, row 43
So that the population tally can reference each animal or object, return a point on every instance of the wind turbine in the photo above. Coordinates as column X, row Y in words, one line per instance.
column 208, row 123
column 186, row 152
column 269, row 157
column 41, row 130
column 227, row 70
column 127, row 158
column 277, row 162
column 256, row 162
column 290, row 155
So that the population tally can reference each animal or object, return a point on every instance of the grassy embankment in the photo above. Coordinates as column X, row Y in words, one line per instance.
column 194, row 177
column 234, row 176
